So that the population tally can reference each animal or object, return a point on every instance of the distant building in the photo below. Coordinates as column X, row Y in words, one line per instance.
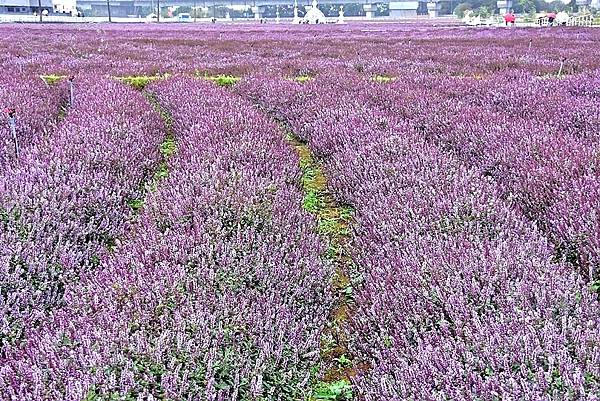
column 65, row 6
column 98, row 8
column 24, row 6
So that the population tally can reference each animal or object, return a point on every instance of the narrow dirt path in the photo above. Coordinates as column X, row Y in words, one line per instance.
column 334, row 221
column 167, row 147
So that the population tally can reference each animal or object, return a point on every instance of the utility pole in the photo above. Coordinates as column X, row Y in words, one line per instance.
column 158, row 13
column 71, row 91
column 12, row 115
column 40, row 9
column 108, row 8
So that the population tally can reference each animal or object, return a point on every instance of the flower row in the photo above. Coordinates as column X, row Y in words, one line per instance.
column 218, row 292
column 68, row 201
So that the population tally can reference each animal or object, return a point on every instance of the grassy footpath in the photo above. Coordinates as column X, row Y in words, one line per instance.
column 334, row 220
column 167, row 147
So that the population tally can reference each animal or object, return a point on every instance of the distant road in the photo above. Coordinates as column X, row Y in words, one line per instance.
column 8, row 18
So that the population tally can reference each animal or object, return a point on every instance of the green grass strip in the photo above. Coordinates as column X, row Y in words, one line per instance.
column 382, row 79
column 222, row 80
column 333, row 222
column 140, row 82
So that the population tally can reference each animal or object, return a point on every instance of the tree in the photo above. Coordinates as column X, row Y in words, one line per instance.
column 528, row 7
column 382, row 9
column 483, row 12
column 353, row 9
column 460, row 9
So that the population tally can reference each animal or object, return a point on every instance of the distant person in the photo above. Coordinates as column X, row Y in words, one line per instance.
column 509, row 18
column 551, row 18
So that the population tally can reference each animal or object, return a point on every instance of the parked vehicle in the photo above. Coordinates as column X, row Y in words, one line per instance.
column 184, row 17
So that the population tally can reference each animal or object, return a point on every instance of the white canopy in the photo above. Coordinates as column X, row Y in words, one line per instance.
column 314, row 15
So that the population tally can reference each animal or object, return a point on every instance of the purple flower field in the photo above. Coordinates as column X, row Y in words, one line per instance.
column 372, row 212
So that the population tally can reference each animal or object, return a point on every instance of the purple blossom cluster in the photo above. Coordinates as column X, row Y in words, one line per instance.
column 471, row 163
column 35, row 107
column 459, row 294
column 538, row 139
column 65, row 204
column 289, row 50
column 218, row 291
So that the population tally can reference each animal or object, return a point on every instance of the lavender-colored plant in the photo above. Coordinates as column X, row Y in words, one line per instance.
column 472, row 168
column 218, row 292
column 459, row 296
column 34, row 108
column 66, row 203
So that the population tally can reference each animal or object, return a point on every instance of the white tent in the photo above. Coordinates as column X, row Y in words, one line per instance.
column 314, row 15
